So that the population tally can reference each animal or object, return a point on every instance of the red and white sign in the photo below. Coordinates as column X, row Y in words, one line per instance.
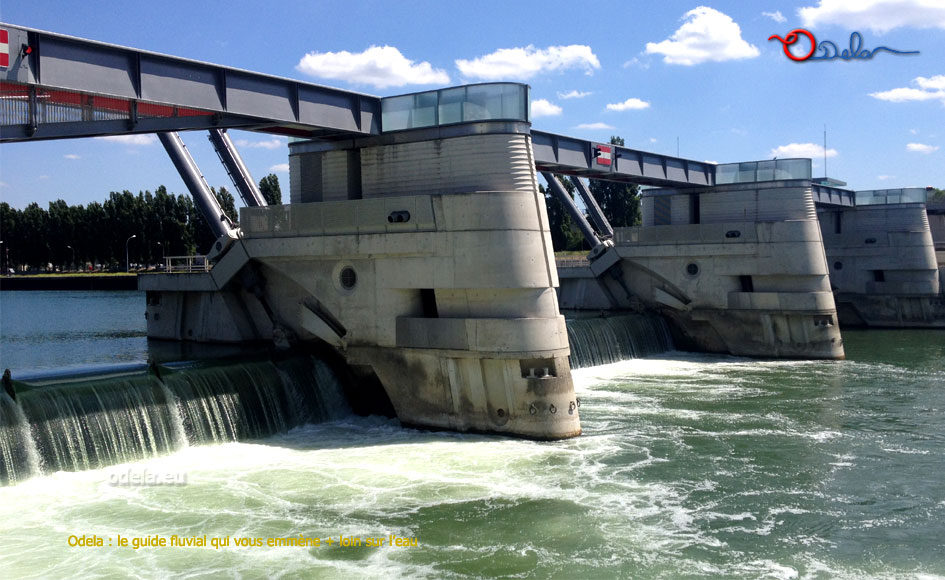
column 4, row 49
column 604, row 155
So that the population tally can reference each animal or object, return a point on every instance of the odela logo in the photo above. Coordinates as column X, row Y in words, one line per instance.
column 827, row 50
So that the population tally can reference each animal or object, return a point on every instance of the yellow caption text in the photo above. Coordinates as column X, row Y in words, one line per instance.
column 218, row 542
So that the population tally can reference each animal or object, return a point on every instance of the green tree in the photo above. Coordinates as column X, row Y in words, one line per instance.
column 31, row 239
column 565, row 236
column 60, row 233
column 269, row 187
column 620, row 202
column 9, row 218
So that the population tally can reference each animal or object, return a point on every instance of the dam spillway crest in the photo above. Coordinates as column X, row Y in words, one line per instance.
column 88, row 423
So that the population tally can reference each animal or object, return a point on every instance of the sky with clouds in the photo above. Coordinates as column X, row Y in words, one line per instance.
column 698, row 76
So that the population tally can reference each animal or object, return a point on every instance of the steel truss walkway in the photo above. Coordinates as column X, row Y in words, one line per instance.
column 55, row 86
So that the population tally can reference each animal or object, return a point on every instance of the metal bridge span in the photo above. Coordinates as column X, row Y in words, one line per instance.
column 56, row 86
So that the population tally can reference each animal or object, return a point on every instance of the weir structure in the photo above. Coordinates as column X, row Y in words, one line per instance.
column 416, row 243
column 423, row 254
column 737, row 265
column 882, row 257
column 417, row 246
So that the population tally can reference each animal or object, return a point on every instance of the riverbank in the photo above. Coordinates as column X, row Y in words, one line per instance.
column 71, row 282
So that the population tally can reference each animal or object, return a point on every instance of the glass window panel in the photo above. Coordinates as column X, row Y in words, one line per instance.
column 395, row 112
column 451, row 105
column 915, row 195
column 794, row 168
column 766, row 171
column 478, row 101
column 498, row 101
column 424, row 110
column 746, row 172
column 726, row 173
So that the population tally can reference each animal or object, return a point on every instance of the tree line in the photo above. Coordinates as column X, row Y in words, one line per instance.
column 150, row 225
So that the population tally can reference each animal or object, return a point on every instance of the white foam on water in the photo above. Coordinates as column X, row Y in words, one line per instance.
column 371, row 477
column 768, row 569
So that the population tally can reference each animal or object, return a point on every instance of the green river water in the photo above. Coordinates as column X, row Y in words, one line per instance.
column 690, row 466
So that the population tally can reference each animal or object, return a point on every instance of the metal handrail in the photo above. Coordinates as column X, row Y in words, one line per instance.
column 186, row 264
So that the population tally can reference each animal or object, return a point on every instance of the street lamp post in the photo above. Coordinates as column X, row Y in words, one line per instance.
column 127, row 262
column 72, row 263
column 162, row 251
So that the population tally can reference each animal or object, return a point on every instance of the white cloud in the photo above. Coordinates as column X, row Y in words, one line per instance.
column 137, row 139
column 594, row 126
column 776, row 16
column 544, row 108
column 914, row 131
column 802, row 150
column 72, row 156
column 929, row 89
column 280, row 168
column 631, row 104
column 4, row 184
column 43, row 177
column 921, row 148
column 706, row 35
column 885, row 177
column 653, row 140
column 636, row 62
column 574, row 94
column 274, row 143
column 524, row 63
column 936, row 83
column 876, row 15
column 379, row 66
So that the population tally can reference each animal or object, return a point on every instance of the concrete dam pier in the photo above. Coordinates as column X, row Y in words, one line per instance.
column 424, row 256
column 882, row 258
column 737, row 268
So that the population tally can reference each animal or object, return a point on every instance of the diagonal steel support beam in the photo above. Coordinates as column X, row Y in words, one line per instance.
column 558, row 190
column 199, row 189
column 597, row 216
column 238, row 171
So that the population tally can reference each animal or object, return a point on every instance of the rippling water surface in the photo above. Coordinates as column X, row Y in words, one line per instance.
column 690, row 466
column 53, row 330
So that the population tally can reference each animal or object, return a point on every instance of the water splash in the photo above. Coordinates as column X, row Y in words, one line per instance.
column 19, row 457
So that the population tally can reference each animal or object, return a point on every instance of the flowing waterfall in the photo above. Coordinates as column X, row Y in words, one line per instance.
column 19, row 457
column 605, row 340
column 88, row 423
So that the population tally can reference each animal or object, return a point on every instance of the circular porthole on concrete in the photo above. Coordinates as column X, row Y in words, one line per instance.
column 348, row 278
column 692, row 269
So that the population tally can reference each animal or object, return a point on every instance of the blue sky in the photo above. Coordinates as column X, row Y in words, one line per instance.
column 700, row 72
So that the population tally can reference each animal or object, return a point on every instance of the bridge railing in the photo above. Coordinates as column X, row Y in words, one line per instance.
column 186, row 264
column 480, row 102
column 754, row 171
column 891, row 196
column 572, row 262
